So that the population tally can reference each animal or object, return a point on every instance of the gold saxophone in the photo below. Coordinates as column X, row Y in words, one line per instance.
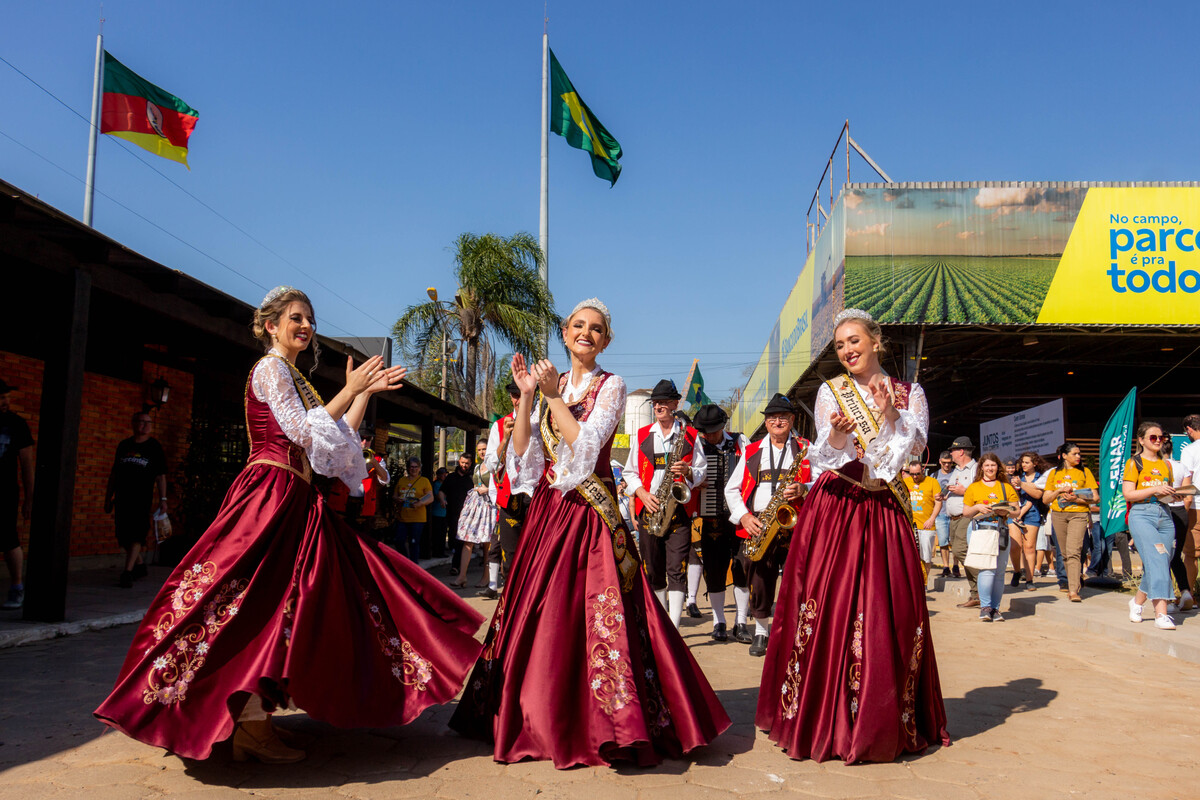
column 778, row 515
column 671, row 492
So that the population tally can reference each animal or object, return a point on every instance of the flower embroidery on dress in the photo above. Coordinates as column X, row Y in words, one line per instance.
column 412, row 669
column 854, row 676
column 173, row 671
column 610, row 675
column 789, row 696
column 908, row 716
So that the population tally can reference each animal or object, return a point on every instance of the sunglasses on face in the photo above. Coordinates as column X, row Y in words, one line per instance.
column 1155, row 438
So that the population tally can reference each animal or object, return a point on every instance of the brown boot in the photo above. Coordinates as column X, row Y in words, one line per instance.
column 257, row 740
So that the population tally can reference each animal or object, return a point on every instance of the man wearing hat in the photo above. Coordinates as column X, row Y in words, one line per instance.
column 962, row 476
column 718, row 535
column 511, row 505
column 754, row 481
column 16, row 451
column 665, row 556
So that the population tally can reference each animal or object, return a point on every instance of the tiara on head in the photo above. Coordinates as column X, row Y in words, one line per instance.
column 275, row 293
column 594, row 304
column 852, row 313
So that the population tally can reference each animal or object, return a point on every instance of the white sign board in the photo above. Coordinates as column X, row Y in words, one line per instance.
column 1039, row 429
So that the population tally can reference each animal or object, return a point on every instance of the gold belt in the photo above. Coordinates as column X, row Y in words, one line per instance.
column 305, row 476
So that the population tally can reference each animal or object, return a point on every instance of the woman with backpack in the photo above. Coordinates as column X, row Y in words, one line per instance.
column 1148, row 480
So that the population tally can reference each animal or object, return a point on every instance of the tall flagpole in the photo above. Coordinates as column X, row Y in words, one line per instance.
column 97, row 98
column 544, row 218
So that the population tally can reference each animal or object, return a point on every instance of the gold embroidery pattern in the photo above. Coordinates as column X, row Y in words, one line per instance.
column 411, row 668
column 610, row 672
column 908, row 716
column 173, row 671
column 790, row 693
column 854, row 679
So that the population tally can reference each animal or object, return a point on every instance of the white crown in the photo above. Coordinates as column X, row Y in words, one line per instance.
column 593, row 303
column 278, row 291
column 852, row 313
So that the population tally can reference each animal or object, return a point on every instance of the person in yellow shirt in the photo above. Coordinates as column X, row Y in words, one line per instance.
column 1069, row 491
column 410, row 495
column 923, row 493
column 1148, row 480
column 991, row 486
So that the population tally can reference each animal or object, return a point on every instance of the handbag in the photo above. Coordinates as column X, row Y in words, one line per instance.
column 983, row 546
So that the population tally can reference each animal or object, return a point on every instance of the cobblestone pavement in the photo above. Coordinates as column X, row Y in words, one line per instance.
column 1037, row 710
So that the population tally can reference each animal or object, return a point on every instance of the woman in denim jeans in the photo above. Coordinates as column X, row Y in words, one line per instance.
column 990, row 487
column 1148, row 481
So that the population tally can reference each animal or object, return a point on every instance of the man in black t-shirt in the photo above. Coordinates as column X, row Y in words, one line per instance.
column 16, row 450
column 456, row 487
column 138, row 470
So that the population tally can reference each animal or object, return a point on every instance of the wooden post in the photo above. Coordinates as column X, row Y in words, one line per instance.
column 57, row 450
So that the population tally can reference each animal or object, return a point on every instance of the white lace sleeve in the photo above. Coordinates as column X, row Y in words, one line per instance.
column 824, row 456
column 895, row 442
column 525, row 469
column 333, row 449
column 577, row 461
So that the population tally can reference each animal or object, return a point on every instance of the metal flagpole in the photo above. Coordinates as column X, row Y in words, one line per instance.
column 97, row 97
column 544, row 218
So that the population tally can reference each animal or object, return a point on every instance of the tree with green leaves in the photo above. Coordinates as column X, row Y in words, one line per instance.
column 500, row 299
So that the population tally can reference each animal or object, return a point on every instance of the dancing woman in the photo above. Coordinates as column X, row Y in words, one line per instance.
column 581, row 664
column 280, row 602
column 850, row 670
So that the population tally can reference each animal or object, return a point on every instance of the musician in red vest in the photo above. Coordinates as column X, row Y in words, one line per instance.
column 758, row 475
column 718, row 538
column 511, row 505
column 665, row 557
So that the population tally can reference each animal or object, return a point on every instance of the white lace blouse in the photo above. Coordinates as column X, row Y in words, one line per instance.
column 886, row 455
column 333, row 447
column 574, row 462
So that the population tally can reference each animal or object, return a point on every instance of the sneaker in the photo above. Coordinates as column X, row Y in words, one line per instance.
column 16, row 599
column 1186, row 603
column 985, row 614
column 1029, row 587
column 955, row 572
column 1049, row 573
column 1135, row 611
column 1045, row 571
column 945, row 572
column 997, row 616
column 139, row 571
column 1172, row 608
column 125, row 580
column 1164, row 622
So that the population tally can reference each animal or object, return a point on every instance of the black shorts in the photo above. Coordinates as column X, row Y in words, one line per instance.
column 132, row 526
column 8, row 531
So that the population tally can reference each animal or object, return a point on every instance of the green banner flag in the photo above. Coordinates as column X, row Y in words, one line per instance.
column 571, row 119
column 1114, row 452
column 695, row 392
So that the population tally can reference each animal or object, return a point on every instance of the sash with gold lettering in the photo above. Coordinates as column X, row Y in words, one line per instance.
column 598, row 494
column 854, row 406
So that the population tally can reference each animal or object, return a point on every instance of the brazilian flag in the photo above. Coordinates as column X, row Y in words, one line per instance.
column 571, row 119
column 695, row 393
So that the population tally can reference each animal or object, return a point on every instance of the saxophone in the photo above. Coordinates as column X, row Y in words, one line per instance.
column 778, row 515
column 671, row 492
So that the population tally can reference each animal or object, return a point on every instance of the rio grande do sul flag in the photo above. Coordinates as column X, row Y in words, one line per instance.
column 140, row 112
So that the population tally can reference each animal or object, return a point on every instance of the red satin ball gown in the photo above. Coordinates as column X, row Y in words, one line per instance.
column 281, row 599
column 581, row 664
column 850, row 669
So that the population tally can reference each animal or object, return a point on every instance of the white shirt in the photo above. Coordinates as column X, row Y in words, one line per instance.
column 763, row 492
column 1178, row 473
column 965, row 476
column 575, row 462
column 1190, row 458
column 887, row 454
column 664, row 445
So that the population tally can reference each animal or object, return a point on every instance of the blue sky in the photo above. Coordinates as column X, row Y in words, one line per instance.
column 357, row 142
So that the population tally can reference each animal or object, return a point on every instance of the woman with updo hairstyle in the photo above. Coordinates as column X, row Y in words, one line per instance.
column 280, row 604
column 850, row 671
column 581, row 664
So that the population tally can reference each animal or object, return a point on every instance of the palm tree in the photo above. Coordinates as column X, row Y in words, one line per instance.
column 500, row 299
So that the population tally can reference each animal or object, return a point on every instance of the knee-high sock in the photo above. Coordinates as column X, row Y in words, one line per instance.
column 675, row 606
column 493, row 576
column 760, row 629
column 718, row 606
column 741, row 596
column 694, row 573
column 661, row 594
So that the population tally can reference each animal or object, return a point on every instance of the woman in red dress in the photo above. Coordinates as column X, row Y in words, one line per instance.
column 280, row 602
column 850, row 671
column 581, row 664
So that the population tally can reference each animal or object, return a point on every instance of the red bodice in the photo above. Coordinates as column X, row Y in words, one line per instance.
column 268, row 443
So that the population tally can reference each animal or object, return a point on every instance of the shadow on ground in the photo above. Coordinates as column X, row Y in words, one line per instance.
column 988, row 707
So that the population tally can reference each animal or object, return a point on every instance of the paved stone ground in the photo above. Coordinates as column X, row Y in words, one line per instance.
column 1037, row 710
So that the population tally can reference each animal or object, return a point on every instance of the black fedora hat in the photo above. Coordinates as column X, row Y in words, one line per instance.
column 779, row 405
column 962, row 443
column 512, row 389
column 710, row 418
column 665, row 390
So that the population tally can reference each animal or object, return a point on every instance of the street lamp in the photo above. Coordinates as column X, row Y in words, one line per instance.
column 433, row 295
